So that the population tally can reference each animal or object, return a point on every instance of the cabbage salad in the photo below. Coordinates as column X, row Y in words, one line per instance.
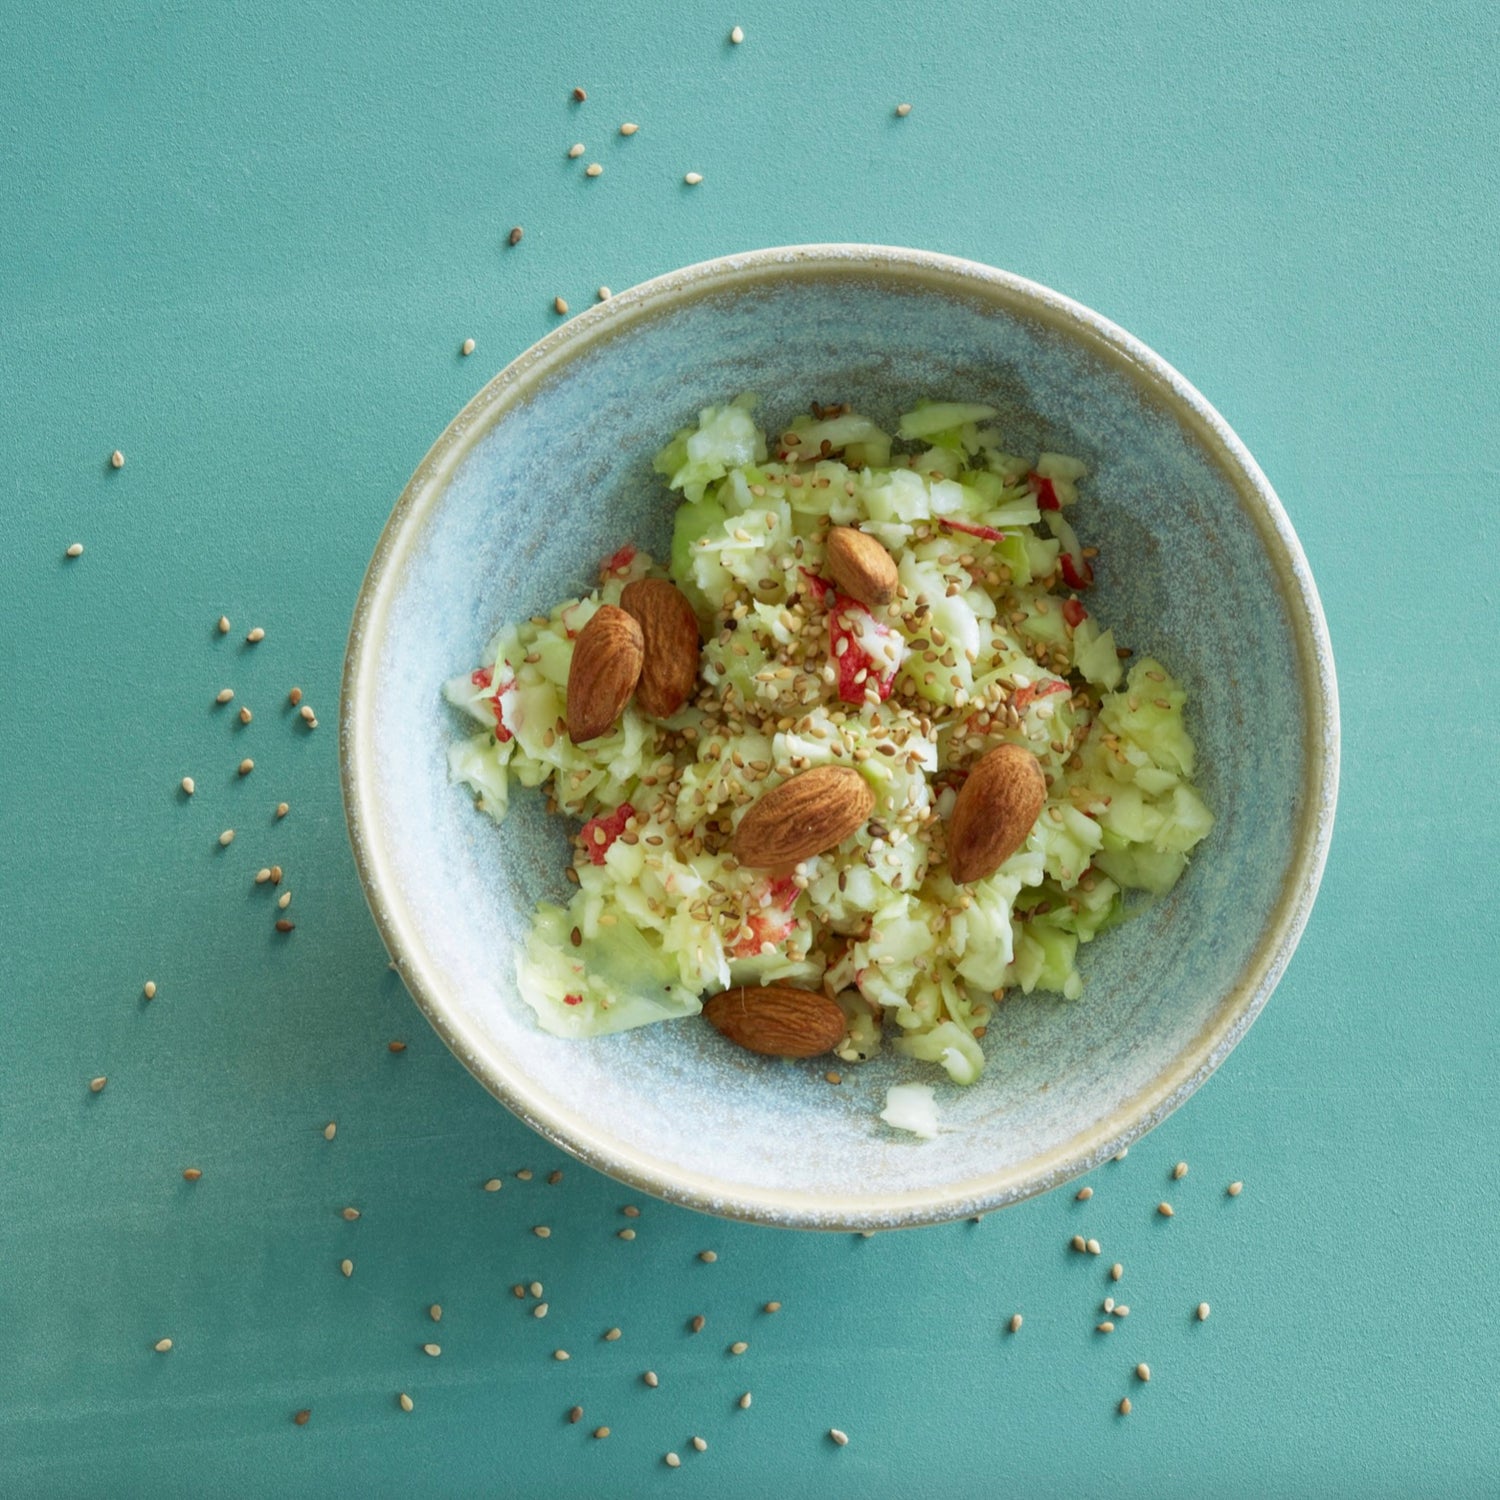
column 989, row 640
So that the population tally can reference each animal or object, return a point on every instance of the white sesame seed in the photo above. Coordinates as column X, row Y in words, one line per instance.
column 745, row 1402
column 227, row 837
column 330, row 1130
column 700, row 1444
column 189, row 786
column 772, row 1307
column 1093, row 1247
column 737, row 35
column 1143, row 1371
column 576, row 150
column 149, row 989
column 255, row 636
column 117, row 460
column 611, row 1335
column 162, row 1345
column 467, row 347
column 841, row 1438
column 435, row 1312
column 351, row 1213
column 223, row 695
column 542, row 1232
column 903, row 110
column 1084, row 1194
column 1015, row 1322
column 493, row 1185
column 1109, row 1304
column 708, row 1257
column 1164, row 1209
column 1203, row 1312
column 540, row 1310
column 1235, row 1189
column 738, row 1346
column 649, row 1378
column 693, row 178
column 1121, row 1154
column 282, row 809
column 1121, row 1310
column 1079, row 1243
column 628, row 129
column 625, row 1234
column 605, row 294
column 1124, row 1406
column 432, row 1350
column 1179, row 1171
column 405, row 1401
column 559, row 305
column 75, row 549
column 593, row 170
column 524, row 1175
column 284, row 900
column 1116, row 1271
column 307, row 715
column 561, row 1354
column 601, row 1432
column 223, row 624
column 672, row 1461
column 245, row 715
column 1106, row 1327
column 246, row 766
column 535, row 1289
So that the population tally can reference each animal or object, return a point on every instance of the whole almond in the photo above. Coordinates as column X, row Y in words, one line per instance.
column 994, row 813
column 605, row 669
column 860, row 566
column 669, row 632
column 777, row 1020
column 806, row 814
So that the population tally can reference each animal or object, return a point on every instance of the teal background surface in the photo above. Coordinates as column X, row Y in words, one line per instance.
column 243, row 244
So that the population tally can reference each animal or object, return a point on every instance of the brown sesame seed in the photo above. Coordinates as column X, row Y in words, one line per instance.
column 708, row 1257
column 467, row 347
column 223, row 624
column 223, row 695
column 330, row 1130
column 1015, row 1322
column 282, row 809
column 772, row 1307
column 695, row 1323
column 255, row 636
column 396, row 1046
column 117, row 460
column 283, row 924
column 275, row 874
column 303, row 1417
column 1084, row 1194
column 245, row 715
column 516, row 235
column 841, row 1438
column 745, row 1402
column 1203, row 1312
column 347, row 1267
column 601, row 1432
column 1164, row 1209
column 1179, row 1171
column 405, row 1402
column 579, row 96
column 351, row 1214
column 75, row 550
column 832, row 1077
column 1235, row 1189
column 700, row 1444
column 738, row 1346
column 162, row 1345
column 903, row 110
column 649, row 1378
column 593, row 170
column 1124, row 1406
column 191, row 1174
column 558, row 305
column 432, row 1350
column 555, row 1177
column 1143, row 1371
column 575, row 1414
column 149, row 989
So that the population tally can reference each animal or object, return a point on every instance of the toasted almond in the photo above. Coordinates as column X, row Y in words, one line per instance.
column 777, row 1020
column 605, row 669
column 994, row 812
column 860, row 566
column 669, row 634
column 808, row 813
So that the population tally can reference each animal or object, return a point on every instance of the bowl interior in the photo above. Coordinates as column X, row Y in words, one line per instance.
column 548, row 471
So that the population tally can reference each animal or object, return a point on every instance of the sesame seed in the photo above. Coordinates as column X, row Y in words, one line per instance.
column 649, row 1378
column 189, row 786
column 149, row 989
column 561, row 1354
column 284, row 900
column 903, row 110
column 772, row 1307
column 1143, row 1371
column 518, row 1290
column 162, row 1345
column 493, row 1185
column 1093, row 1247
column 223, row 695
column 351, row 1214
column 247, row 765
column 738, row 1346
column 282, row 809
column 1164, row 1209
column 1235, row 1189
column 1116, row 1271
column 1015, row 1322
column 541, row 1231
column 1109, row 1304
column 841, row 1438
column 284, row 925
column 1124, row 1406
column 625, row 1234
column 396, row 1046
column 1179, row 1171
column 467, row 347
column 302, row 1417
column 535, row 1289
column 245, row 715
column 1106, row 1327
column 555, row 1177
column 1079, row 1243
column 696, row 1323
column 1121, row 1310
column 628, row 129
column 256, row 635
column 435, row 1312
column 693, row 178
column 191, row 1174
column 117, row 460
column 227, row 837
column 611, row 1335
column 605, row 294
column 700, row 1444
column 575, row 1414
column 1121, row 1154
column 593, row 170
column 347, row 1267
column 540, row 1310
column 672, row 1461
column 75, row 550
column 1084, row 1194
column 737, row 35
column 432, row 1350
column 405, row 1402
column 1203, row 1312
column 223, row 624
column 516, row 235
column 631, row 1211
column 708, row 1257
column 558, row 305
column 745, row 1402
column 308, row 716
column 330, row 1130
column 601, row 1432
column 579, row 96
column 576, row 150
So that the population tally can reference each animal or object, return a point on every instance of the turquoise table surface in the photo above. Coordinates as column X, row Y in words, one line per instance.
column 243, row 245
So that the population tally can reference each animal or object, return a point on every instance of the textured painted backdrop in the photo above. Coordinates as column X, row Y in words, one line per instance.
column 243, row 243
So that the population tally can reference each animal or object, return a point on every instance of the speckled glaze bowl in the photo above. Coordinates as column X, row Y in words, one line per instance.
column 547, row 470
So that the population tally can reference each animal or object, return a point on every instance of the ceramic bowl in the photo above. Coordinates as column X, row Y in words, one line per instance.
column 548, row 470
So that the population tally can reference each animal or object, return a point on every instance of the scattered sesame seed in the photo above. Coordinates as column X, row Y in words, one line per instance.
column 1116, row 1271
column 1015, row 1322
column 1125, row 1406
column 189, row 786
column 467, row 347
column 435, row 1312
column 1179, row 1171
column 330, row 1130
column 903, row 110
column 284, row 900
column 535, row 1289
column 75, row 550
column 303, row 1417
column 628, row 129
column 284, row 925
column 649, row 1378
column 405, row 1402
column 579, row 95
column 432, row 1350
column 738, row 1346
column 347, row 1267
column 162, row 1345
column 307, row 715
column 1164, row 1209
column 223, row 624
column 227, row 837
column 625, row 1234
column 1143, row 1371
column 1121, row 1310
column 1106, row 1327
column 540, row 1310
column 1203, row 1311
column 841, row 1438
column 1084, row 1194
column 555, row 1177
column 1121, row 1154
column 275, row 874
column 245, row 715
column 518, row 1290
column 696, row 1323
column 575, row 1414
column 256, row 635
column 1079, row 1243
column 708, row 1257
column 601, row 1432
column 350, row 1213
column 561, row 1354
column 611, row 1335
column 1093, row 1247
column 593, row 170
column 396, row 1046
column 149, row 989
column 559, row 305
column 737, row 35
column 672, row 1461
column 516, row 235
column 745, row 1402
column 631, row 1211
column 117, row 460
column 1235, row 1189
column 605, row 294
column 191, row 1174
column 772, row 1307
column 524, row 1174
column 831, row 1077
column 700, row 1444
column 693, row 178
column 223, row 695
column 1109, row 1304
column 282, row 809
column 493, row 1185
column 247, row 765
column 541, row 1231
column 576, row 150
